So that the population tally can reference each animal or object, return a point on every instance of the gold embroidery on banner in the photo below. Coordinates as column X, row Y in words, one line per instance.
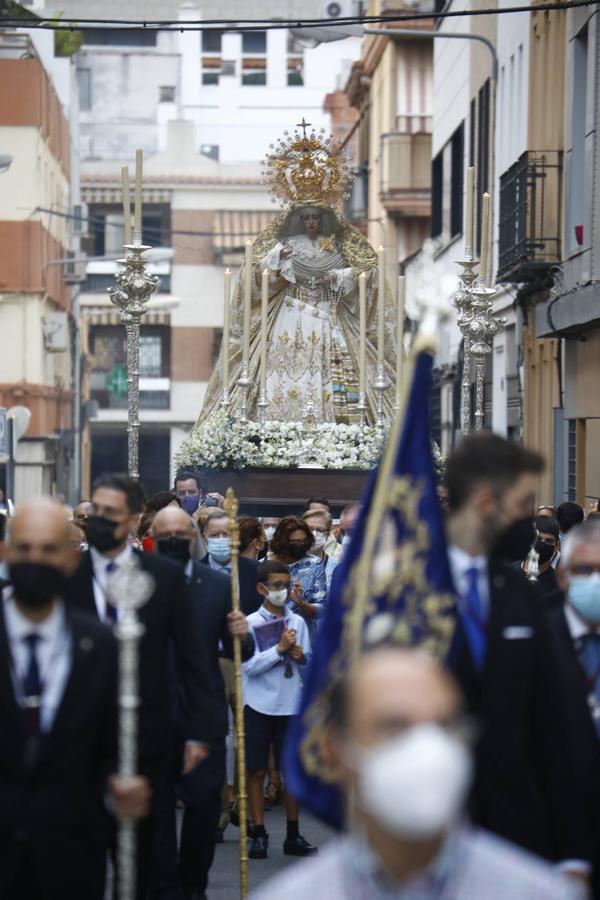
column 384, row 570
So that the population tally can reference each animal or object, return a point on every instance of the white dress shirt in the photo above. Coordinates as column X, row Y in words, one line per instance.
column 460, row 563
column 53, row 654
column 100, row 564
column 266, row 689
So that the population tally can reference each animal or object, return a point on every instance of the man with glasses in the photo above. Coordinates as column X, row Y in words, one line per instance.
column 168, row 622
column 399, row 748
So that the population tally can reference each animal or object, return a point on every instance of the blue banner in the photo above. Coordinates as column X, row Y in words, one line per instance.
column 393, row 586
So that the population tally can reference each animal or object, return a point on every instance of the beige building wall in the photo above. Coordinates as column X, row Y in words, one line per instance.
column 545, row 132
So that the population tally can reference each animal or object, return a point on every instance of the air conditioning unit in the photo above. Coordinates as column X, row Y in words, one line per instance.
column 79, row 222
column 228, row 67
column 210, row 150
column 56, row 332
column 73, row 271
column 341, row 9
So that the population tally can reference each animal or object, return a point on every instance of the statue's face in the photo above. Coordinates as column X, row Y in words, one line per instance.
column 312, row 223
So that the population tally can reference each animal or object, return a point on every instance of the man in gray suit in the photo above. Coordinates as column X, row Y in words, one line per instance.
column 400, row 748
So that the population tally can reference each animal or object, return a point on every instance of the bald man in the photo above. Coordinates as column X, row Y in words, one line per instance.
column 209, row 594
column 400, row 749
column 57, row 721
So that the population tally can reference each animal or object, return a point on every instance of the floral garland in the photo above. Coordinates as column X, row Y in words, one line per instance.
column 223, row 441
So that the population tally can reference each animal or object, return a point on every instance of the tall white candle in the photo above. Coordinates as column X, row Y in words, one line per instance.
column 381, row 307
column 362, row 322
column 126, row 204
column 137, row 219
column 263, row 330
column 485, row 237
column 400, row 331
column 247, row 301
column 469, row 201
column 227, row 301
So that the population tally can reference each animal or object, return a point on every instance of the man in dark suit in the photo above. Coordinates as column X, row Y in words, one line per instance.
column 58, row 724
column 502, row 657
column 573, row 632
column 210, row 598
column 216, row 534
column 168, row 624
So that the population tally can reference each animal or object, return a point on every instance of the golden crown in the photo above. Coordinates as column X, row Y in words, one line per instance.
column 307, row 168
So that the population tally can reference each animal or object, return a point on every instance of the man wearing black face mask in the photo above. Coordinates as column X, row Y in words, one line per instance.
column 168, row 622
column 58, row 684
column 502, row 656
column 546, row 547
column 209, row 595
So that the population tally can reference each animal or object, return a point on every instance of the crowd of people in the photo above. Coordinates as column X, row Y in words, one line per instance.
column 479, row 779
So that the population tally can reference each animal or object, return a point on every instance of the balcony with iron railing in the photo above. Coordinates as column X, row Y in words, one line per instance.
column 406, row 173
column 530, row 216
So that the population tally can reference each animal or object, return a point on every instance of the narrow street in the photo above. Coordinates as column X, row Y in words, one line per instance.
column 224, row 875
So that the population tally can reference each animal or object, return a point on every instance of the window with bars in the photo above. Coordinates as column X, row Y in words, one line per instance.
column 109, row 373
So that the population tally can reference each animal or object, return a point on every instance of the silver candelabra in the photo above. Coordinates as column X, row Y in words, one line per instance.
column 478, row 325
column 129, row 587
column 131, row 295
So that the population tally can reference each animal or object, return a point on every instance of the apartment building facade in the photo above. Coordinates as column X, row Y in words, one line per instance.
column 35, row 297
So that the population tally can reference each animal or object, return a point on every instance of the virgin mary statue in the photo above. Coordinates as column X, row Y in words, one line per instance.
column 314, row 258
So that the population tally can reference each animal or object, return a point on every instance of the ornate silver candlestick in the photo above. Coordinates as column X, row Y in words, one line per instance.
column 131, row 294
column 361, row 408
column 225, row 399
column 262, row 405
column 480, row 330
column 380, row 385
column 130, row 587
column 244, row 382
column 463, row 304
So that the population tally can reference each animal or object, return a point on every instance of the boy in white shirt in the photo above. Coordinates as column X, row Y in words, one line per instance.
column 272, row 683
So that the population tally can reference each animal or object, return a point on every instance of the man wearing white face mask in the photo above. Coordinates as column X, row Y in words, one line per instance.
column 270, row 523
column 400, row 749
column 215, row 531
column 325, row 547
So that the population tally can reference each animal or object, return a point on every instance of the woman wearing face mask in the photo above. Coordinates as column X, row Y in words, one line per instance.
column 325, row 548
column 290, row 545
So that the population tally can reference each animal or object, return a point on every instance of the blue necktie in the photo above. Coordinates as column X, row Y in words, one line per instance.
column 32, row 688
column 589, row 656
column 111, row 609
column 474, row 618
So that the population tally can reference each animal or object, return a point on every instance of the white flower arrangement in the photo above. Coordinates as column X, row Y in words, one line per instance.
column 223, row 441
